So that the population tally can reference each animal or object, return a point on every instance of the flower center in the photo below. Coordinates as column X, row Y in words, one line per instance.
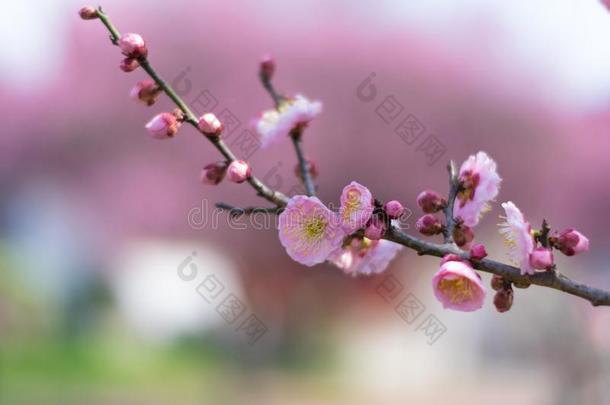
column 457, row 290
column 352, row 204
column 314, row 229
column 469, row 182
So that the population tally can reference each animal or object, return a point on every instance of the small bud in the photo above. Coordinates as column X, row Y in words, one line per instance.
column 375, row 229
column 163, row 126
column 394, row 209
column 129, row 64
column 210, row 125
column 313, row 169
column 429, row 225
column 478, row 252
column 498, row 282
column 213, row 173
column 503, row 300
column 133, row 45
column 571, row 242
column 146, row 91
column 238, row 171
column 463, row 235
column 541, row 258
column 88, row 13
column 451, row 257
column 267, row 67
column 430, row 201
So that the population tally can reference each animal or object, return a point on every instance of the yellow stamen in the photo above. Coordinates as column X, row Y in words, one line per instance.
column 457, row 290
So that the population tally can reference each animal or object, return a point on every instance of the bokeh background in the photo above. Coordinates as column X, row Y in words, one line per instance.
column 97, row 220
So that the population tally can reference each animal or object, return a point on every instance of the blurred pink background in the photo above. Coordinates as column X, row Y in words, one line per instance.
column 92, row 207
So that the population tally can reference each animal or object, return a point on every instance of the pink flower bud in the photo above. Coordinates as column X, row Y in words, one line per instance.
column 133, row 45
column 146, row 91
column 572, row 242
column 213, row 173
column 375, row 229
column 541, row 258
column 210, row 125
column 267, row 67
column 463, row 235
column 129, row 64
column 313, row 169
column 478, row 252
column 498, row 283
column 88, row 13
column 451, row 257
column 394, row 209
column 429, row 225
column 430, row 201
column 238, row 171
column 503, row 300
column 162, row 126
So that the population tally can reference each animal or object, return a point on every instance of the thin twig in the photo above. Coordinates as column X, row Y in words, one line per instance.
column 262, row 190
column 454, row 186
column 239, row 211
column 304, row 166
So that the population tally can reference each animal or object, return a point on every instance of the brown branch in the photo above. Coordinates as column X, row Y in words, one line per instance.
column 239, row 211
column 262, row 190
column 549, row 279
column 454, row 186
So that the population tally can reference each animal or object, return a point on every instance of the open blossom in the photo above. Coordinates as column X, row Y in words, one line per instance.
column 308, row 230
column 275, row 124
column 365, row 256
column 162, row 126
column 481, row 184
column 356, row 206
column 518, row 235
column 457, row 286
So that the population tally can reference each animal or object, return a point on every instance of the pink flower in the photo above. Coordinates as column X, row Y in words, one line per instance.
column 541, row 258
column 210, row 125
column 518, row 234
column 238, row 171
column 308, row 230
column 274, row 125
column 145, row 91
column 213, row 173
column 457, row 286
column 572, row 242
column 356, row 206
column 481, row 184
column 365, row 256
column 133, row 45
column 163, row 126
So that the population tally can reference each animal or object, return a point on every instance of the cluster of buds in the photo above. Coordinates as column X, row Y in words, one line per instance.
column 503, row 300
column 236, row 171
column 134, row 48
column 377, row 225
column 430, row 203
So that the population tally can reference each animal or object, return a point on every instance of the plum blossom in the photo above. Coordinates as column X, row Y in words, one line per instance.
column 457, row 286
column 356, row 206
column 481, row 184
column 163, row 126
column 572, row 242
column 518, row 235
column 365, row 256
column 308, row 230
column 275, row 124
